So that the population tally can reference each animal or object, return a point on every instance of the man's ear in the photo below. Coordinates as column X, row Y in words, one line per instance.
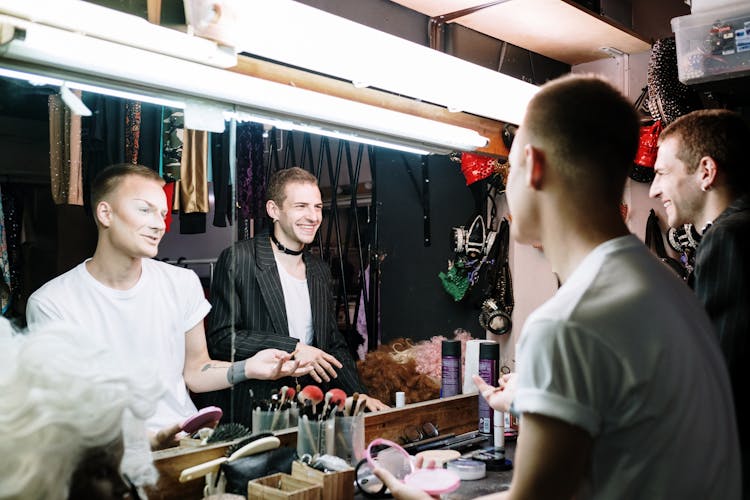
column 104, row 213
column 536, row 161
column 706, row 172
column 272, row 210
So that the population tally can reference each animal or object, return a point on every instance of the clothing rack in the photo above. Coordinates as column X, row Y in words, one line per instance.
column 182, row 261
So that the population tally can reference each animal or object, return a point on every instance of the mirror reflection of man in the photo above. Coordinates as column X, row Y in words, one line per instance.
column 270, row 293
column 148, row 311
column 702, row 178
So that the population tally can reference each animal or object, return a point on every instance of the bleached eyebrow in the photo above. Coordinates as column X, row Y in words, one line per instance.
column 152, row 206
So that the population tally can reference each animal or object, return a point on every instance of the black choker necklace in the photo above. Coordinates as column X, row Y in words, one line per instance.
column 285, row 249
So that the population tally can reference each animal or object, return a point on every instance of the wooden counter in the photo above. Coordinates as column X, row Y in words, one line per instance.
column 456, row 414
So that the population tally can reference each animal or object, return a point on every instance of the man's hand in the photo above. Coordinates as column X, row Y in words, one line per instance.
column 499, row 398
column 165, row 438
column 271, row 364
column 373, row 404
column 398, row 489
column 323, row 364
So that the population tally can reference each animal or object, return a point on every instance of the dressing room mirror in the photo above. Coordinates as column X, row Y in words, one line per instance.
column 386, row 221
column 48, row 228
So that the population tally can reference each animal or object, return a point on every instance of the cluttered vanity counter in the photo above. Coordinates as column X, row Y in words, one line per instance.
column 456, row 415
column 493, row 482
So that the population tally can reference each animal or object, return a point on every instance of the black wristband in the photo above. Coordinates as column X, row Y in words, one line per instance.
column 236, row 372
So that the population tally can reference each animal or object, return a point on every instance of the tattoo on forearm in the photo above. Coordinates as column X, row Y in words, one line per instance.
column 209, row 365
column 236, row 372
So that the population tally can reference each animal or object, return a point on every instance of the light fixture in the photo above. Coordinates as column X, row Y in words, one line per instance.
column 306, row 37
column 96, row 21
column 613, row 52
column 74, row 57
column 336, row 134
column 36, row 79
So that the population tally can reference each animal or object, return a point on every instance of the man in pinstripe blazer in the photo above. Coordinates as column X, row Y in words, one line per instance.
column 703, row 178
column 268, row 292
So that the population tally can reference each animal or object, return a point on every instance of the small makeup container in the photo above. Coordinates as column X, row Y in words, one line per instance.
column 400, row 399
column 397, row 461
column 450, row 382
column 438, row 457
column 467, row 469
column 489, row 358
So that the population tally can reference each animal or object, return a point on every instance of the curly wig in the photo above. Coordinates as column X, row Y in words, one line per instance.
column 402, row 365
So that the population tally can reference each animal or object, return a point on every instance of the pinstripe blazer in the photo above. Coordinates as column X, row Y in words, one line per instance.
column 248, row 300
column 722, row 283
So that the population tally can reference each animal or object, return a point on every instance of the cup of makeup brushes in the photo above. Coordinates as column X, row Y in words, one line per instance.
column 264, row 421
column 315, row 437
column 349, row 440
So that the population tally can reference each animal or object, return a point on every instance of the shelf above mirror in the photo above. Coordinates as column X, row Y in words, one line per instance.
column 559, row 29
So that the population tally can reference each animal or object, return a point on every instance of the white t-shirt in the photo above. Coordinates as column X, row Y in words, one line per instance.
column 625, row 351
column 145, row 324
column 298, row 308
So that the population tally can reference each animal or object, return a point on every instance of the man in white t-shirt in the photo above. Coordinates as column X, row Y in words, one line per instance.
column 620, row 381
column 150, row 312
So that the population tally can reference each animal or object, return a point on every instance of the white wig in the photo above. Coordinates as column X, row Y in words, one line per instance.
column 61, row 393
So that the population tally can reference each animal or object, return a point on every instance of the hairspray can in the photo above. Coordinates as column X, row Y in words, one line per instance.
column 489, row 360
column 450, row 384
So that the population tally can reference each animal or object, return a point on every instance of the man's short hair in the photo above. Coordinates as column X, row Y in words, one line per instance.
column 109, row 178
column 589, row 129
column 719, row 133
column 277, row 184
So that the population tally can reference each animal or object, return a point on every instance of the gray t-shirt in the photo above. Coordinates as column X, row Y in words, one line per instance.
column 625, row 351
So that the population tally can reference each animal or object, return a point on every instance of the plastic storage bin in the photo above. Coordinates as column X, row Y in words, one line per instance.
column 713, row 45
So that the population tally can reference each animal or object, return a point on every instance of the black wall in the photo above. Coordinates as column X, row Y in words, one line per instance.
column 413, row 302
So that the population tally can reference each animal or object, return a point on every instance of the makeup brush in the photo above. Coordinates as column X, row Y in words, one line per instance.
column 279, row 397
column 282, row 395
column 338, row 398
column 311, row 393
column 360, row 406
column 326, row 402
column 290, row 393
column 355, row 397
column 291, row 400
column 297, row 389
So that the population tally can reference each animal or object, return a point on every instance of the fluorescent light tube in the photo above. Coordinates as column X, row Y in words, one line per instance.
column 346, row 136
column 123, row 94
column 35, row 79
column 72, row 56
column 96, row 21
column 329, row 44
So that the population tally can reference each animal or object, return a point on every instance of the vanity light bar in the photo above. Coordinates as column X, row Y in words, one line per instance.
column 346, row 136
column 61, row 53
column 100, row 22
column 329, row 44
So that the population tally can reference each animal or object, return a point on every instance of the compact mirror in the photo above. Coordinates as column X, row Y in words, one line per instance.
column 393, row 458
